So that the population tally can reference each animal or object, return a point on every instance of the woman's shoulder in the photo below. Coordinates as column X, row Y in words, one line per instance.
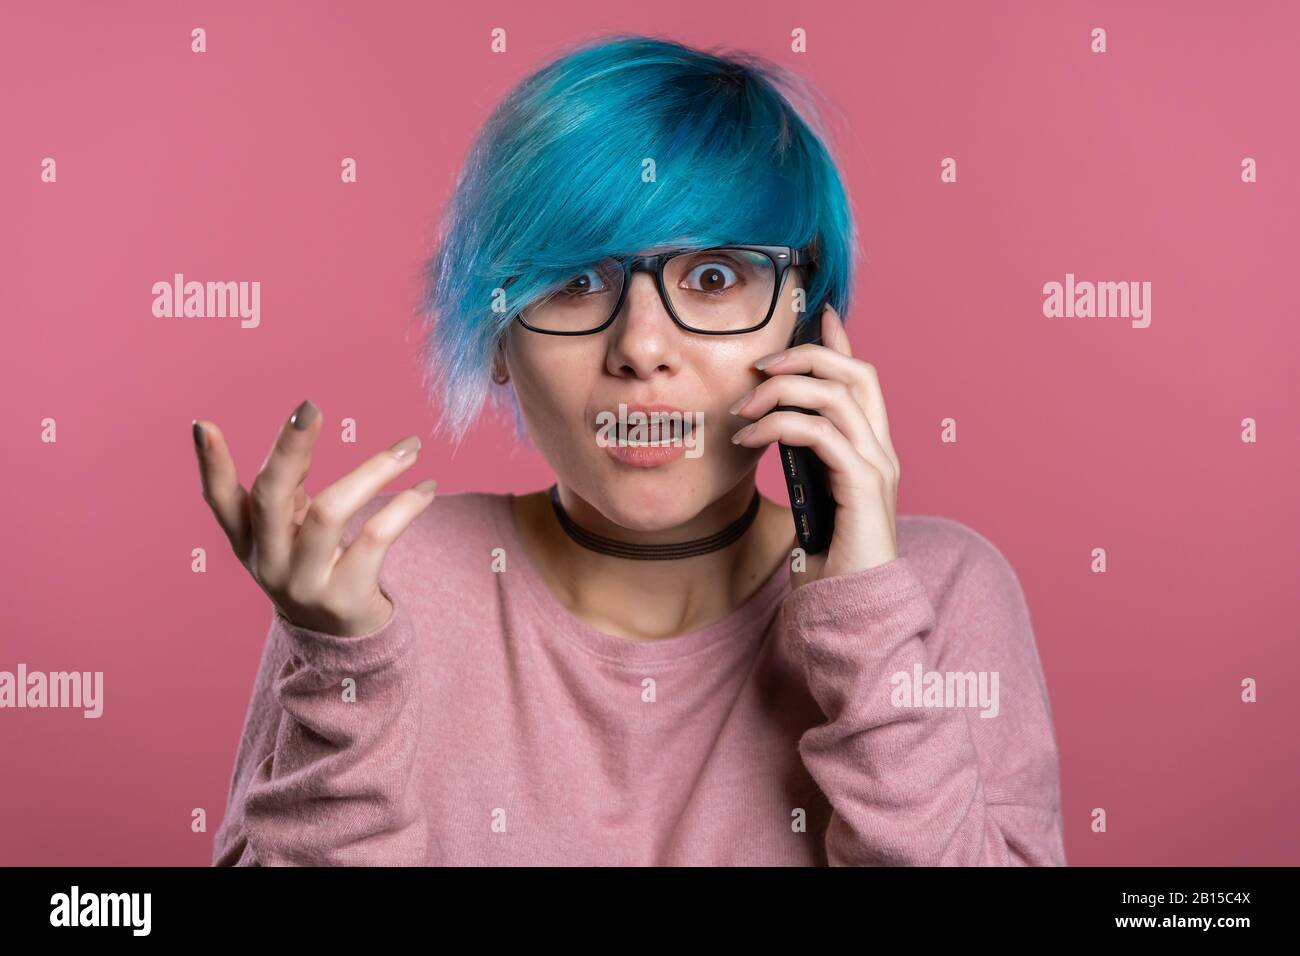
column 982, row 613
column 948, row 554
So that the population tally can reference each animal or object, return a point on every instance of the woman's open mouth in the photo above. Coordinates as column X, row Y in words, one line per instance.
column 645, row 436
column 668, row 431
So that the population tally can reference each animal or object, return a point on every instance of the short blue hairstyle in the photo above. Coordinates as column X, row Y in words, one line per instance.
column 554, row 181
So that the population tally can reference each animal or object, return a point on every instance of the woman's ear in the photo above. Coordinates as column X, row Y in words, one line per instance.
column 500, row 373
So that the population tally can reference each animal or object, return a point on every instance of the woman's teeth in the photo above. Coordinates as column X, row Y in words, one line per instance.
column 670, row 431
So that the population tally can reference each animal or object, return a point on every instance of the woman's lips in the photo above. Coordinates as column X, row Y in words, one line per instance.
column 674, row 426
column 645, row 456
column 649, row 410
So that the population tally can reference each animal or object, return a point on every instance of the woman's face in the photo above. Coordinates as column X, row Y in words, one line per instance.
column 568, row 386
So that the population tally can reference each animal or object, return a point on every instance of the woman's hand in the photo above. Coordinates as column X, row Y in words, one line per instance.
column 851, row 435
column 290, row 542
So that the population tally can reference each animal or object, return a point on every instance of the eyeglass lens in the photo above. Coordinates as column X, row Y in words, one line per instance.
column 712, row 290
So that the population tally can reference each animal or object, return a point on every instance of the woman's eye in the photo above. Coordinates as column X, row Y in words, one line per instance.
column 585, row 283
column 710, row 277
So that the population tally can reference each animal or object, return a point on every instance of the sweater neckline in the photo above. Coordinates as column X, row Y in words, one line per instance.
column 742, row 626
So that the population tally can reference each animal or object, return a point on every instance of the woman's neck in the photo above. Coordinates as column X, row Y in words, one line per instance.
column 650, row 600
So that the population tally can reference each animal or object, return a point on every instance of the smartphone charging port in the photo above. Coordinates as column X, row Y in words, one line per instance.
column 799, row 499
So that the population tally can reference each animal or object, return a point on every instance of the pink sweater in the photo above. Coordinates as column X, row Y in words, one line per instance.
column 492, row 727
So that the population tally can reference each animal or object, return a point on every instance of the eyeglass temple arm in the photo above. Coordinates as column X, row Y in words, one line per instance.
column 802, row 257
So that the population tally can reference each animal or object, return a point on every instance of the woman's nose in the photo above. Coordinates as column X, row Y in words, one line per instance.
column 644, row 332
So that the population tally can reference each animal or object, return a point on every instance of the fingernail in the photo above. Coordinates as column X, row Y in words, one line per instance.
column 200, row 439
column 740, row 435
column 303, row 415
column 426, row 487
column 767, row 360
column 741, row 403
column 406, row 446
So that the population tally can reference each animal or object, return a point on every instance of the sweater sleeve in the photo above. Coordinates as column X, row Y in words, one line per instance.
column 322, row 775
column 928, row 785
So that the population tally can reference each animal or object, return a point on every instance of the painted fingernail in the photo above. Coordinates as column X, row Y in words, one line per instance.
column 427, row 487
column 740, row 435
column 407, row 446
column 200, row 439
column 767, row 360
column 741, row 403
column 304, row 415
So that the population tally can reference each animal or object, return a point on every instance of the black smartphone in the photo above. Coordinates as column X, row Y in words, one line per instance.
column 806, row 478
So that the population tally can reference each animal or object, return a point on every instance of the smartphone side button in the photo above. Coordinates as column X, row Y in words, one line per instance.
column 791, row 468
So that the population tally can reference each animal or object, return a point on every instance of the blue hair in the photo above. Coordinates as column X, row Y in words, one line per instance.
column 554, row 181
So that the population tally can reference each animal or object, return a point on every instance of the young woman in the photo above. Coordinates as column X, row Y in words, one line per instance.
column 636, row 665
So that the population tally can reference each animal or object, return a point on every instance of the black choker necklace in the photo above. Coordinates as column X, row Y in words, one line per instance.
column 654, row 552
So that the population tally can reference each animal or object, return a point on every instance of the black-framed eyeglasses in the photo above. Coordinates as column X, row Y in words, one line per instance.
column 722, row 290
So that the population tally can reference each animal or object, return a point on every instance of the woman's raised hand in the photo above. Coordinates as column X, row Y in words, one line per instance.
column 291, row 543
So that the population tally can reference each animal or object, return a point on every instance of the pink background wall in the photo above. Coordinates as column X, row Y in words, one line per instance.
column 1073, row 434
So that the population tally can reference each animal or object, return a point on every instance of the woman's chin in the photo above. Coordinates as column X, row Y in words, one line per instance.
column 645, row 517
column 646, row 505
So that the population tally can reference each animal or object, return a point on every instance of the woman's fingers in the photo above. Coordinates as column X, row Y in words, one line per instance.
column 271, row 497
column 295, row 540
column 316, row 546
column 836, row 361
column 845, row 467
column 301, row 501
column 364, row 556
column 221, row 488
column 832, row 399
column 870, row 396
